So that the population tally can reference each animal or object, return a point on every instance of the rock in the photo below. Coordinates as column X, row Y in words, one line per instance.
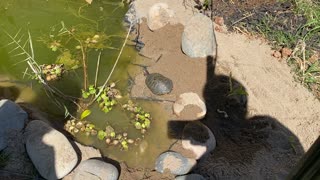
column 131, row 16
column 94, row 169
column 12, row 117
column 198, row 138
column 219, row 20
column 189, row 99
column 190, row 177
column 49, row 150
column 175, row 163
column 182, row 13
column 158, row 16
column 285, row 52
column 276, row 54
column 198, row 39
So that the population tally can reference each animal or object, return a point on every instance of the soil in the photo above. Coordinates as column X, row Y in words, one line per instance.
column 265, row 132
column 259, row 136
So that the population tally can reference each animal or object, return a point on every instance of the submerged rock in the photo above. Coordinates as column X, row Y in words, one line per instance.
column 198, row 138
column 49, row 150
column 158, row 16
column 198, row 39
column 175, row 163
column 12, row 118
column 190, row 177
column 94, row 169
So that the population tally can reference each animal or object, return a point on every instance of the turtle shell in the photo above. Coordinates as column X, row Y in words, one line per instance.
column 159, row 84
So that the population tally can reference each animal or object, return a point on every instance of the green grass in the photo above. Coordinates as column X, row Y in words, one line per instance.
column 304, row 41
column 309, row 71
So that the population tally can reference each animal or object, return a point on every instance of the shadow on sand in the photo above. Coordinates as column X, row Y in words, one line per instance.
column 244, row 145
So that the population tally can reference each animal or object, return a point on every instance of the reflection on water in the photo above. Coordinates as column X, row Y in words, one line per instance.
column 39, row 17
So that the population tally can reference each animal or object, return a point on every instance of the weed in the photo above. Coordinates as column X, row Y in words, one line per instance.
column 297, row 27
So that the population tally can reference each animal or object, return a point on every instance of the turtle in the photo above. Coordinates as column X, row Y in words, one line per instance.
column 157, row 83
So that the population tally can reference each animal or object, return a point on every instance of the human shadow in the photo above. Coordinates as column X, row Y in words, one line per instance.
column 242, row 141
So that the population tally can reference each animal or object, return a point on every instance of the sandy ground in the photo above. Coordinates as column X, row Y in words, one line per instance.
column 262, row 138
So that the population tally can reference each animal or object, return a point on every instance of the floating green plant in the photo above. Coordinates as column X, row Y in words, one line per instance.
column 106, row 99
column 85, row 113
column 141, row 119
column 70, row 62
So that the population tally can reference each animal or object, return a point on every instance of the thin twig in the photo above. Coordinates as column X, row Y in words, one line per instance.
column 114, row 66
column 84, row 64
column 249, row 15
column 97, row 69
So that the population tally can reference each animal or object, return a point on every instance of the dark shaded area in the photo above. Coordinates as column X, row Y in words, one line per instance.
column 238, row 137
column 309, row 166
column 10, row 92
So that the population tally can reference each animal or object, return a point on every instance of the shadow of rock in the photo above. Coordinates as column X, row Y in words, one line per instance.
column 10, row 92
column 252, row 147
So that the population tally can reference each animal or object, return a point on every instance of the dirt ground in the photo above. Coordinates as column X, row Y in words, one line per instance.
column 265, row 132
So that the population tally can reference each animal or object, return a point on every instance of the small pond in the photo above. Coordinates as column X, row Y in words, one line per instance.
column 55, row 28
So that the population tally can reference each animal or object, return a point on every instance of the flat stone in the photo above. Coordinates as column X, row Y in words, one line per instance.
column 158, row 16
column 198, row 138
column 198, row 38
column 93, row 169
column 49, row 150
column 190, row 177
column 175, row 163
column 189, row 98
column 12, row 118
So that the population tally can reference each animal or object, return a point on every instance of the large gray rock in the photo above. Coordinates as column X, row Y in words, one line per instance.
column 49, row 150
column 12, row 118
column 198, row 38
column 190, row 177
column 198, row 138
column 93, row 169
column 158, row 16
column 175, row 163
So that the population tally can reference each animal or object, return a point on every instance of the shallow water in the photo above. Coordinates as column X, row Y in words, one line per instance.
column 39, row 17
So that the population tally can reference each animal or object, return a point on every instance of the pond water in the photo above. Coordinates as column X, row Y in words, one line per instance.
column 44, row 18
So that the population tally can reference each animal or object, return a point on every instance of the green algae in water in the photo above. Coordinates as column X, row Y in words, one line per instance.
column 42, row 18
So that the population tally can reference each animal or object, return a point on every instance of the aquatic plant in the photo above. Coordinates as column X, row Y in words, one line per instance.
column 74, row 43
column 141, row 119
column 107, row 99
column 22, row 46
column 72, row 46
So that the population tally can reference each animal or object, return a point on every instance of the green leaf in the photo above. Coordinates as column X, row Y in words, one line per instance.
column 137, row 125
column 147, row 123
column 101, row 134
column 147, row 115
column 112, row 134
column 85, row 94
column 85, row 114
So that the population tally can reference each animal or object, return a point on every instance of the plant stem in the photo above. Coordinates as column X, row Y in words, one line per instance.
column 97, row 70
column 85, row 68
column 114, row 66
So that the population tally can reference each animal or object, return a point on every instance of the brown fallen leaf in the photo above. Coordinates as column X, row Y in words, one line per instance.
column 314, row 58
